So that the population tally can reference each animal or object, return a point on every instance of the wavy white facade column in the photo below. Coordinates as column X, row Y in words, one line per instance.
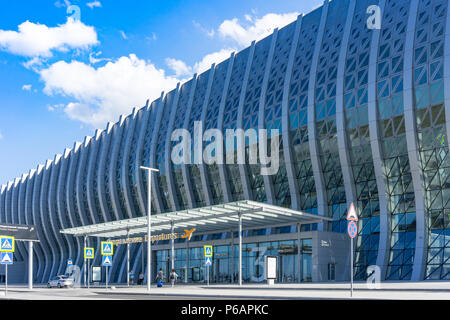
column 52, row 214
column 93, row 159
column 21, row 215
column 21, row 207
column 138, row 160
column 239, row 122
column 70, row 198
column 412, row 144
column 126, row 156
column 344, row 148
column 223, row 175
column 9, row 190
column 385, row 220
column 153, row 147
column 184, row 168
column 21, row 250
column 313, row 145
column 104, row 160
column 168, row 147
column 61, row 204
column 117, row 136
column 114, row 156
column 34, row 215
column 29, row 220
column 288, row 156
column 203, row 175
column 268, row 183
column 2, row 202
column 44, row 217
column 84, row 154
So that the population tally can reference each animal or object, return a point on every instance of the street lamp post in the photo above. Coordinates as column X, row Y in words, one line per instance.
column 149, row 232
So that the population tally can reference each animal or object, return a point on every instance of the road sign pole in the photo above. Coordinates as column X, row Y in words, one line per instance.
column 128, row 258
column 6, row 279
column 30, row 265
column 84, row 263
column 107, row 277
column 240, row 249
column 89, row 273
column 352, row 229
column 351, row 267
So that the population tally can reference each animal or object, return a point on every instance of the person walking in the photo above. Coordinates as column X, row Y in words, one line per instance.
column 131, row 277
column 159, row 278
column 173, row 277
column 141, row 278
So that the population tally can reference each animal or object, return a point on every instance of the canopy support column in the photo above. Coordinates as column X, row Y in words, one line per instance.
column 30, row 265
column 240, row 249
column 172, row 245
column 128, row 258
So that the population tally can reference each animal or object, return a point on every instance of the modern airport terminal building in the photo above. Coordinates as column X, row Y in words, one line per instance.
column 363, row 117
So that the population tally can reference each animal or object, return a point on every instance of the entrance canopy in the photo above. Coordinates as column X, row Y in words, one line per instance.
column 217, row 218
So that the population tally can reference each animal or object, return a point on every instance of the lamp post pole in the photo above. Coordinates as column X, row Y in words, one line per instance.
column 149, row 231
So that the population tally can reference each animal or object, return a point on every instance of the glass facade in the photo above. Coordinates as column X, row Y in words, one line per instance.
column 190, row 262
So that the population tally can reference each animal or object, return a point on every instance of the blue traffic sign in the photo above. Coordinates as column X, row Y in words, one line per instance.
column 352, row 229
column 7, row 244
column 208, row 251
column 107, row 248
column 69, row 262
column 208, row 261
column 107, row 261
column 6, row 258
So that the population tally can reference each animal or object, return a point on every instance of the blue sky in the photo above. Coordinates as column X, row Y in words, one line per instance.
column 61, row 78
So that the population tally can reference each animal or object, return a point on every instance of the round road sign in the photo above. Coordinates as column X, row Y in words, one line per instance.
column 352, row 229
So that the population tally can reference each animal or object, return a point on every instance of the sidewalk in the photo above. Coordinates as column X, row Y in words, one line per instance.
column 439, row 290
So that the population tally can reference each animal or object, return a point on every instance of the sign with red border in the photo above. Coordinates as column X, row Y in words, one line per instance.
column 352, row 216
column 352, row 229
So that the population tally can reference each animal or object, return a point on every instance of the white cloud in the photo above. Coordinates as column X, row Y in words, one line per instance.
column 59, row 4
column 33, row 63
column 55, row 107
column 151, row 37
column 94, row 60
column 181, row 69
column 26, row 87
column 94, row 4
column 209, row 59
column 103, row 94
column 38, row 40
column 255, row 29
column 124, row 36
column 210, row 33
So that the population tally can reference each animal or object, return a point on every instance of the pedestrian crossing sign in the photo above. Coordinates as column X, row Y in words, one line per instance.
column 107, row 261
column 208, row 251
column 6, row 244
column 107, row 248
column 89, row 253
column 6, row 258
column 208, row 261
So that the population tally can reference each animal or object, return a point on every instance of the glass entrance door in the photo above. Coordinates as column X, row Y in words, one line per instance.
column 306, row 260
column 286, row 268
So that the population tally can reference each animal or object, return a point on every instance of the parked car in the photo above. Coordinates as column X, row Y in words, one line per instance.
column 61, row 282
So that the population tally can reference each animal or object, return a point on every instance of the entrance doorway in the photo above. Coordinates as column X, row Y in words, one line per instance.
column 286, row 268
